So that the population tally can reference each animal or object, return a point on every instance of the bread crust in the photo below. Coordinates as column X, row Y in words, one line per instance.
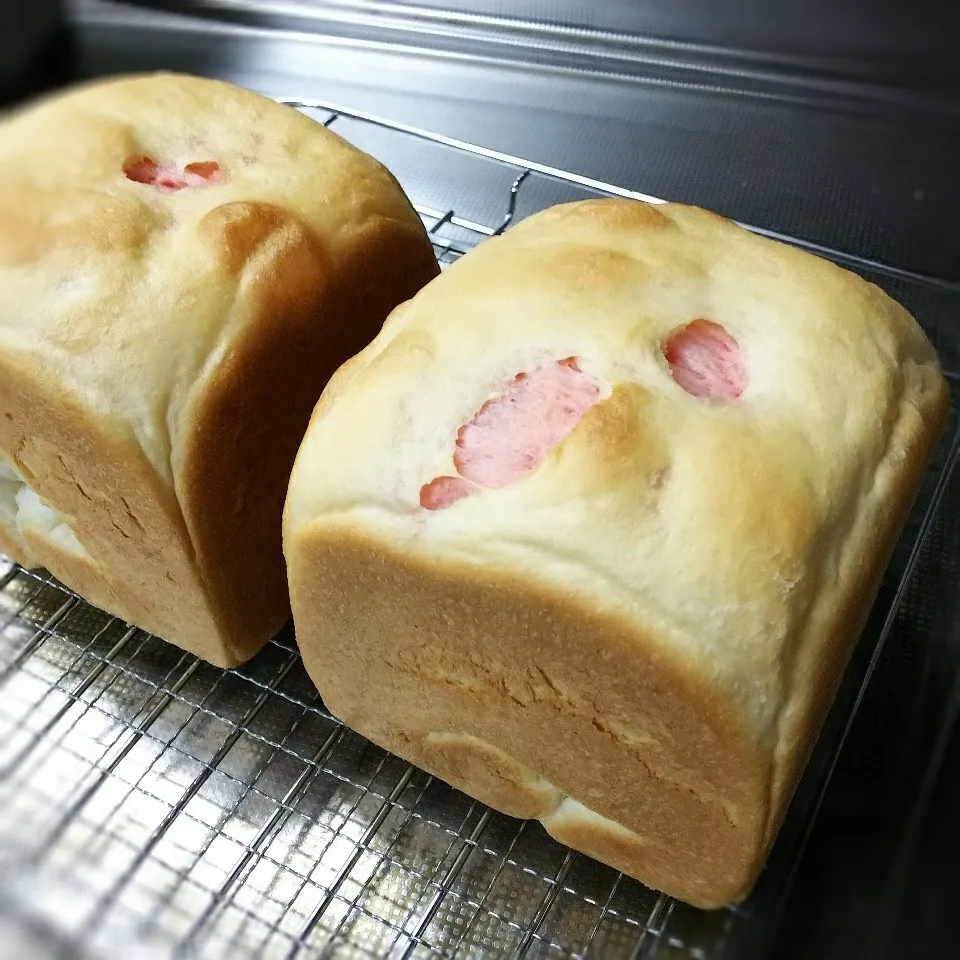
column 498, row 706
column 636, row 642
column 160, row 353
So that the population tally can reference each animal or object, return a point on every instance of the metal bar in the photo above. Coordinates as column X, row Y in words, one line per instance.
column 310, row 103
column 493, row 880
column 660, row 914
column 353, row 904
column 898, row 878
column 384, row 857
column 80, row 802
column 446, row 218
column 15, row 614
column 314, row 706
column 893, row 609
column 724, row 938
column 365, row 791
column 604, row 910
column 428, row 880
column 612, row 189
column 512, row 202
column 277, row 818
column 173, row 695
column 447, row 249
column 36, row 640
column 653, row 926
column 9, row 576
column 457, row 221
column 544, row 907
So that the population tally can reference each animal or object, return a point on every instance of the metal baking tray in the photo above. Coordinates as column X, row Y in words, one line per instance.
column 152, row 805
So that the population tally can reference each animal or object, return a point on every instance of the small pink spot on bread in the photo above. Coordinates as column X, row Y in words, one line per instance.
column 444, row 492
column 706, row 361
column 168, row 179
column 512, row 433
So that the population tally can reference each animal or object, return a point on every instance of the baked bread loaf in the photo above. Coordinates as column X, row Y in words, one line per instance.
column 590, row 529
column 183, row 264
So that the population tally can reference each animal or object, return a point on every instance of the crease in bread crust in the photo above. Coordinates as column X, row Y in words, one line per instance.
column 637, row 742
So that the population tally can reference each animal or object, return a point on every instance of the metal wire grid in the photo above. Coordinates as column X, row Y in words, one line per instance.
column 154, row 804
column 149, row 798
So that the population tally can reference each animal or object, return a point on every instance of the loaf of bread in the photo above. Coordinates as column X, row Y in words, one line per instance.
column 183, row 264
column 590, row 529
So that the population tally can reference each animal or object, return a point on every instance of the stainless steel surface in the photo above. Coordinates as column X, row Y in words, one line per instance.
column 893, row 51
column 854, row 174
column 151, row 805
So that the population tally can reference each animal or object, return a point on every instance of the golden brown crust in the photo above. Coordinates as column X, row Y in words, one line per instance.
column 162, row 352
column 426, row 653
column 252, row 417
column 11, row 547
column 638, row 640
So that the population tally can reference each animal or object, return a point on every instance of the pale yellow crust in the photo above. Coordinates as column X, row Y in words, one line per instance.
column 638, row 641
column 160, row 353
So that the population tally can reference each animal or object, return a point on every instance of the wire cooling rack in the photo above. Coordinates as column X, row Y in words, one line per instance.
column 152, row 805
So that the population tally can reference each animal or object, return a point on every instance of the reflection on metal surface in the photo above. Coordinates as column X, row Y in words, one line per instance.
column 152, row 805
column 894, row 54
column 871, row 180
column 842, row 257
column 147, row 798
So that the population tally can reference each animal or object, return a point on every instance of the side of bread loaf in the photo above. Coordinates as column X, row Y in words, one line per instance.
column 611, row 501
column 183, row 264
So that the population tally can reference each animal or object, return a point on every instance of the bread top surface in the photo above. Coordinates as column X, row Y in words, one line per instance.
column 715, row 523
column 130, row 294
